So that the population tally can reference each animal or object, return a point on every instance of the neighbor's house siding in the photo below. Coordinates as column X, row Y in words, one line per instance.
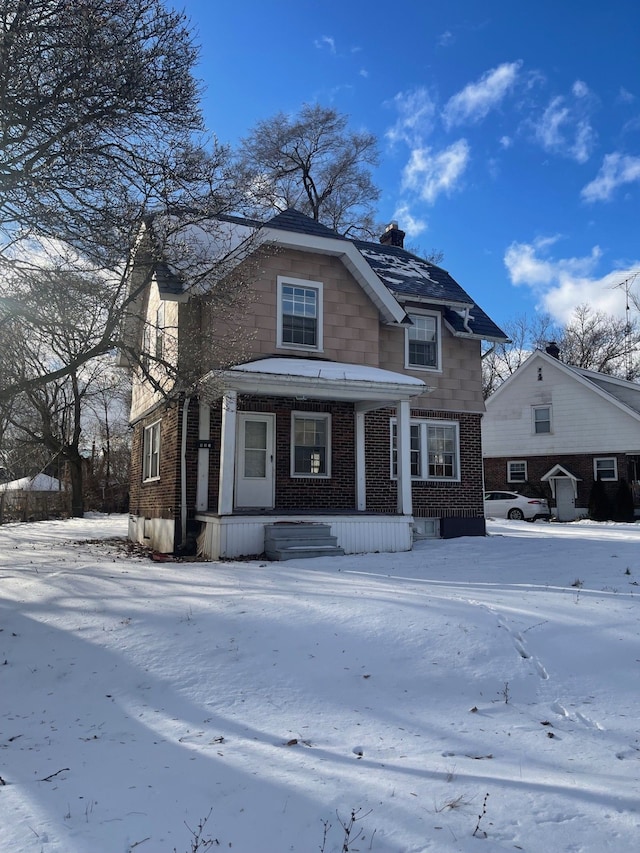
column 580, row 418
column 579, row 464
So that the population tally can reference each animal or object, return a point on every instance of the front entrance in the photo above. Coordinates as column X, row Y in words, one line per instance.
column 565, row 499
column 254, row 461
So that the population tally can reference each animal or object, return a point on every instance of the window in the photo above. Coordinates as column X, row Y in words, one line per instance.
column 159, row 330
column 605, row 468
column 310, row 445
column 541, row 419
column 151, row 452
column 517, row 472
column 299, row 313
column 434, row 448
column 422, row 342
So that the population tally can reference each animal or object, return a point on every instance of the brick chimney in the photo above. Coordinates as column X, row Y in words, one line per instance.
column 393, row 236
column 553, row 350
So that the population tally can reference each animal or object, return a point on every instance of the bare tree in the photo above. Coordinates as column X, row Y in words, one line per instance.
column 99, row 123
column 312, row 162
column 592, row 340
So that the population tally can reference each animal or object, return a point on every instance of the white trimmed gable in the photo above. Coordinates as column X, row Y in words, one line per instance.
column 585, row 418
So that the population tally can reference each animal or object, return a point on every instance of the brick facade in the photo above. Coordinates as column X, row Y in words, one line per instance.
column 579, row 464
column 158, row 498
column 431, row 499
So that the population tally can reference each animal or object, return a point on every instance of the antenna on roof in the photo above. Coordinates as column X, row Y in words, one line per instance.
column 626, row 284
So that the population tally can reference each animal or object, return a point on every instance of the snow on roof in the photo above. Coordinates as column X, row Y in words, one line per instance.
column 39, row 483
column 328, row 370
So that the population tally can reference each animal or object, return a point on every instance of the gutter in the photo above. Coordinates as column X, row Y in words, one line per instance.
column 183, row 473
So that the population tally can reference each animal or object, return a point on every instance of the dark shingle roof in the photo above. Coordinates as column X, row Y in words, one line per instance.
column 407, row 276
column 293, row 220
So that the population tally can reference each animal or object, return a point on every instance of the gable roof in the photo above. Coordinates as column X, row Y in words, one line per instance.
column 621, row 393
column 393, row 278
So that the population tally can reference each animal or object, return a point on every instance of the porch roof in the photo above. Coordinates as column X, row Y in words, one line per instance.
column 324, row 380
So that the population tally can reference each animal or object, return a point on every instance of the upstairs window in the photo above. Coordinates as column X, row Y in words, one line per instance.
column 159, row 343
column 299, row 314
column 541, row 419
column 422, row 342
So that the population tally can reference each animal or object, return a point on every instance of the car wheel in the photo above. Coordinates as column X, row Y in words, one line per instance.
column 516, row 514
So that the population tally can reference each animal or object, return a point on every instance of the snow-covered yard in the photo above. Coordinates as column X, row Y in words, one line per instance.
column 475, row 694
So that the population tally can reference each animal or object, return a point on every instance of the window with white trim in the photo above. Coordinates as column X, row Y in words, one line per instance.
column 517, row 471
column 151, row 452
column 310, row 445
column 422, row 342
column 300, row 314
column 434, row 447
column 605, row 468
column 541, row 419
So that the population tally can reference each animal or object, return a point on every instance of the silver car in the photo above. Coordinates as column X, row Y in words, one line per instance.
column 512, row 505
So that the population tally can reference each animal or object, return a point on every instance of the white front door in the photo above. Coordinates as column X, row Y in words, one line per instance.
column 565, row 499
column 254, row 461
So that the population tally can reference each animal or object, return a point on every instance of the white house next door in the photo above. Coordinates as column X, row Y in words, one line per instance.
column 254, row 461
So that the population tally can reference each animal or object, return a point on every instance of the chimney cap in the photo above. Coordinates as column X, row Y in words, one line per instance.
column 393, row 236
column 553, row 350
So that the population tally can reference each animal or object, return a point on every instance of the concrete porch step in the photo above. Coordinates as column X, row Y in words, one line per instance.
column 300, row 540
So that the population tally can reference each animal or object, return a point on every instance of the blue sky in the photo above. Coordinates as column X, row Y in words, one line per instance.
column 509, row 130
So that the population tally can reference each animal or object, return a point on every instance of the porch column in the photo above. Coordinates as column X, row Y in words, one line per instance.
column 227, row 452
column 403, row 416
column 204, row 434
column 361, row 479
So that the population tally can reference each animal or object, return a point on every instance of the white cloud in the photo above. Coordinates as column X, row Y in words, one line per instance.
column 429, row 174
column 506, row 141
column 562, row 284
column 326, row 41
column 617, row 169
column 476, row 100
column 580, row 89
column 445, row 39
column 625, row 96
column 416, row 110
column 408, row 222
column 363, row 72
column 565, row 127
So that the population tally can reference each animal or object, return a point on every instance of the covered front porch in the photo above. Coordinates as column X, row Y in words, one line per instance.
column 269, row 475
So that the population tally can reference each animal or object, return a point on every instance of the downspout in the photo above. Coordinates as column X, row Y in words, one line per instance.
column 183, row 473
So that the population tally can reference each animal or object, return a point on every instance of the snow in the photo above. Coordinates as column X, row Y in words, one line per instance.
column 493, row 677
column 329, row 370
column 39, row 483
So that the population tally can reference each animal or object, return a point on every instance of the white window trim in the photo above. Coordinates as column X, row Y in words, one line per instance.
column 147, row 445
column 310, row 416
column 309, row 285
column 534, row 409
column 605, row 459
column 510, row 478
column 416, row 312
column 424, row 423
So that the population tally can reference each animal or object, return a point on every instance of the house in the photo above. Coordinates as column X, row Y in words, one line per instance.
column 355, row 407
column 556, row 429
column 34, row 497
